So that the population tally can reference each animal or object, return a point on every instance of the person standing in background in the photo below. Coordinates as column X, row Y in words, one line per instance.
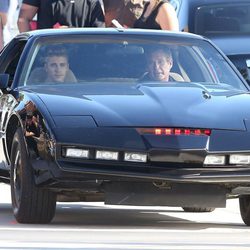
column 124, row 11
column 4, row 8
column 11, row 27
column 12, row 13
column 61, row 13
column 158, row 14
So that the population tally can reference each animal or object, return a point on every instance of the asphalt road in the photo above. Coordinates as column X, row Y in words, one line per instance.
column 96, row 226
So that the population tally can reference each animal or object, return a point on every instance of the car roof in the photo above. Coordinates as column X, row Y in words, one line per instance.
column 190, row 4
column 107, row 31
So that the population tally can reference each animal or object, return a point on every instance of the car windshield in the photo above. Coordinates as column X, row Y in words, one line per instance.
column 223, row 18
column 127, row 59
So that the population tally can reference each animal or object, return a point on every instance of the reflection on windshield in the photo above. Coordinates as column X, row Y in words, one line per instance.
column 128, row 61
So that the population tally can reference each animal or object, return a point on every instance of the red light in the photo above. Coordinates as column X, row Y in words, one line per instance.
column 158, row 131
column 177, row 131
column 168, row 131
column 197, row 132
column 207, row 132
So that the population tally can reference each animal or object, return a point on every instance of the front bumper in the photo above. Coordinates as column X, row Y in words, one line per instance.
column 133, row 185
column 79, row 171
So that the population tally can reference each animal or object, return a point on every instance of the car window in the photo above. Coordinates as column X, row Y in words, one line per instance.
column 10, row 64
column 219, row 18
column 242, row 62
column 125, row 59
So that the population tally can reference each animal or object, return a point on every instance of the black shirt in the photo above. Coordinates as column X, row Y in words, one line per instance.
column 149, row 22
column 72, row 13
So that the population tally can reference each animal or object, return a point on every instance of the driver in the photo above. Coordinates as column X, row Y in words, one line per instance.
column 159, row 63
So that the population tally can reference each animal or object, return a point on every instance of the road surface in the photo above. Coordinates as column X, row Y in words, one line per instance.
column 96, row 226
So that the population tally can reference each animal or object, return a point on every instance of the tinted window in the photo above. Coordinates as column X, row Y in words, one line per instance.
column 242, row 62
column 227, row 18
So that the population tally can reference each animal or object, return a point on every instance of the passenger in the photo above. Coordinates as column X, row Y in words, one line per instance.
column 158, row 14
column 56, row 65
column 55, row 68
column 159, row 64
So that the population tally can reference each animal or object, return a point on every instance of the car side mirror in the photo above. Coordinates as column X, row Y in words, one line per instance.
column 4, row 80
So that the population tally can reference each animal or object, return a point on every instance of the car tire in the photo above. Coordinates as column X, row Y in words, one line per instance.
column 244, row 202
column 30, row 203
column 198, row 209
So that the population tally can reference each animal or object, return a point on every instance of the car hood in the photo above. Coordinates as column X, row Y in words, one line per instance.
column 153, row 105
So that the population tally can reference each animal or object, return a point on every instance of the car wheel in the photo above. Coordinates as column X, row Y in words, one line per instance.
column 30, row 203
column 245, row 208
column 198, row 209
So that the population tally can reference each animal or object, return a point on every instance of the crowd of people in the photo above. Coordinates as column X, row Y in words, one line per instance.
column 156, row 14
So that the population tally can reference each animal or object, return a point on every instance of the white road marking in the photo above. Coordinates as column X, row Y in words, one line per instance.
column 146, row 246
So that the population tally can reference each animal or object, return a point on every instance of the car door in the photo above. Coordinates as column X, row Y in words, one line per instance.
column 9, row 59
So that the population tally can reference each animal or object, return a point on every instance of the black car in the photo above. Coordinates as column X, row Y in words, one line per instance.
column 225, row 22
column 105, row 130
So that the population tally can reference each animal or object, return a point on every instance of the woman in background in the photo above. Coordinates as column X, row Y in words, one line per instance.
column 158, row 14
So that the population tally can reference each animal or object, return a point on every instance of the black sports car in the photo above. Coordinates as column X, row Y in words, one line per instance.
column 225, row 22
column 133, row 117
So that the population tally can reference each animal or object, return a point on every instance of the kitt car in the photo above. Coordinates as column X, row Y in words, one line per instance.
column 128, row 117
column 225, row 22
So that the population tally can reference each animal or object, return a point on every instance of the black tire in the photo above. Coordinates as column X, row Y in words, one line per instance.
column 30, row 204
column 245, row 208
column 198, row 209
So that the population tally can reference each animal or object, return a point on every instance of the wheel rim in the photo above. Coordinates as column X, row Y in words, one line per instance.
column 17, row 178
